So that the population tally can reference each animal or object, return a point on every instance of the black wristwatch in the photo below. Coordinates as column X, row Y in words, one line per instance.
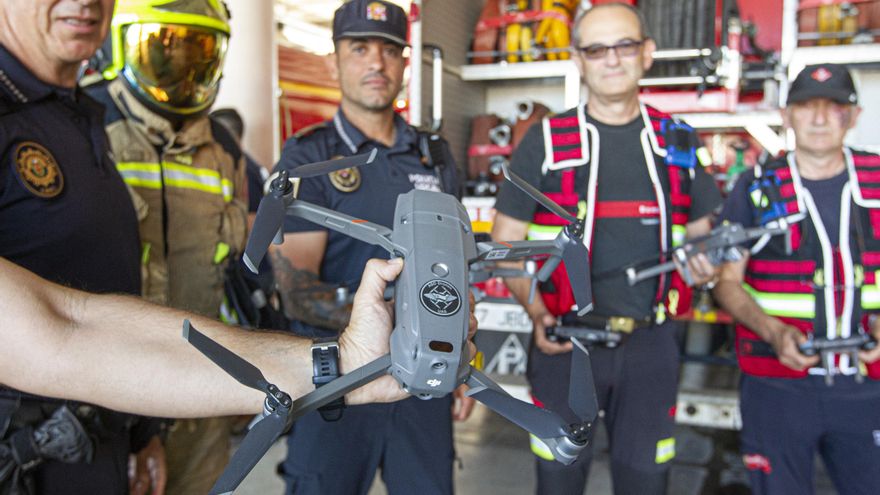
column 325, row 368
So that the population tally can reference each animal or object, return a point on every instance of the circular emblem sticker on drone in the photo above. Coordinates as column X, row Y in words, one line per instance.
column 38, row 170
column 440, row 297
column 346, row 180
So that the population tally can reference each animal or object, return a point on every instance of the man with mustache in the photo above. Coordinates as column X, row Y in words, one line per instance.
column 340, row 450
column 65, row 215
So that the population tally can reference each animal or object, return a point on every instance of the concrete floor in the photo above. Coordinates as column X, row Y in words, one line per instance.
column 494, row 458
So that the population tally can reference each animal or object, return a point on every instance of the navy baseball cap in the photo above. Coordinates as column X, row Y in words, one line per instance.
column 370, row 19
column 832, row 81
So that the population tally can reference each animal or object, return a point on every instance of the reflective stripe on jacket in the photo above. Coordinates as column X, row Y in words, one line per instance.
column 190, row 193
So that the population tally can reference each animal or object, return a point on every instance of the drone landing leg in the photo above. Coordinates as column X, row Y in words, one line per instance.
column 340, row 386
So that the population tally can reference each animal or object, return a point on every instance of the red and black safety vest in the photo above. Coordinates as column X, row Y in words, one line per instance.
column 800, row 277
column 571, row 142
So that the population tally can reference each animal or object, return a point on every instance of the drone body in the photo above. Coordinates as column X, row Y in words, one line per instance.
column 432, row 309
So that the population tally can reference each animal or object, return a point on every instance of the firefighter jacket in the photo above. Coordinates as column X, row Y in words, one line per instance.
column 672, row 152
column 189, row 189
column 800, row 277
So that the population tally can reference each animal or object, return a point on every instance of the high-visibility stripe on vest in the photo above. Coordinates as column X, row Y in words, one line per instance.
column 543, row 232
column 804, row 280
column 570, row 142
column 154, row 175
column 788, row 305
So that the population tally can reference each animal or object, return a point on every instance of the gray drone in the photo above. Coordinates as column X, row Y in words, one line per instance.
column 429, row 352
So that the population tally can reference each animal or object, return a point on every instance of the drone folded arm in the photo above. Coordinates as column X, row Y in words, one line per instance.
column 339, row 387
column 543, row 423
column 361, row 230
column 515, row 250
column 720, row 245
column 564, row 440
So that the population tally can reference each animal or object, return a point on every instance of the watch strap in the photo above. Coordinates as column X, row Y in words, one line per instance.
column 325, row 368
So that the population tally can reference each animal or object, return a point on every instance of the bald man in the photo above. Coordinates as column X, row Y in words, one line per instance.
column 639, row 200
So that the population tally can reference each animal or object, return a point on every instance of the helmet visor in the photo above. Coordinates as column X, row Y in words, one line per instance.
column 176, row 66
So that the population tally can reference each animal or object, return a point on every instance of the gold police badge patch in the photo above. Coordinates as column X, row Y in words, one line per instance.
column 346, row 180
column 38, row 170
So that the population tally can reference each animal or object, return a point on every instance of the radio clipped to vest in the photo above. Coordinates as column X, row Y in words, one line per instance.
column 682, row 144
column 764, row 193
column 431, row 150
column 431, row 147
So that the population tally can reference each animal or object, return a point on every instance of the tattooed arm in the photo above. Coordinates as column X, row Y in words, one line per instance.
column 304, row 296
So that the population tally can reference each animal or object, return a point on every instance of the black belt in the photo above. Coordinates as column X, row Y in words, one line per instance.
column 621, row 324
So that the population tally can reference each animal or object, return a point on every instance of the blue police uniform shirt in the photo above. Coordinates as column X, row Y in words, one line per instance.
column 65, row 212
column 395, row 171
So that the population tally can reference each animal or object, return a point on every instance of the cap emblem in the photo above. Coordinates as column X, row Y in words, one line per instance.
column 377, row 11
column 821, row 74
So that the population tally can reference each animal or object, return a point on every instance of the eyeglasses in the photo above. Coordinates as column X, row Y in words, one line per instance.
column 625, row 48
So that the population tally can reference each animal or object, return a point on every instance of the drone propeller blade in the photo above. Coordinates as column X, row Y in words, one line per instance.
column 536, row 194
column 243, row 371
column 326, row 167
column 267, row 226
column 576, row 259
column 581, row 387
column 249, row 453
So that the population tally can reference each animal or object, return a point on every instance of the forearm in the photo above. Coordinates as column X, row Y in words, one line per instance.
column 127, row 354
column 144, row 362
column 520, row 289
column 306, row 298
column 124, row 353
column 742, row 307
column 507, row 228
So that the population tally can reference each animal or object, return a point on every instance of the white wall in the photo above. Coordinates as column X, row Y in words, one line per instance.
column 867, row 131
column 250, row 77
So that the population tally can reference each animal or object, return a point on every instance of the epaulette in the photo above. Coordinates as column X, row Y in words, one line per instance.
column 8, row 106
column 309, row 129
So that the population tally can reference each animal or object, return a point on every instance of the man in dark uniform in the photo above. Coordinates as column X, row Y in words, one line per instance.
column 641, row 193
column 818, row 282
column 65, row 215
column 410, row 440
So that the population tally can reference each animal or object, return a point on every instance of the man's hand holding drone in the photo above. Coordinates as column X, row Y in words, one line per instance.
column 360, row 343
